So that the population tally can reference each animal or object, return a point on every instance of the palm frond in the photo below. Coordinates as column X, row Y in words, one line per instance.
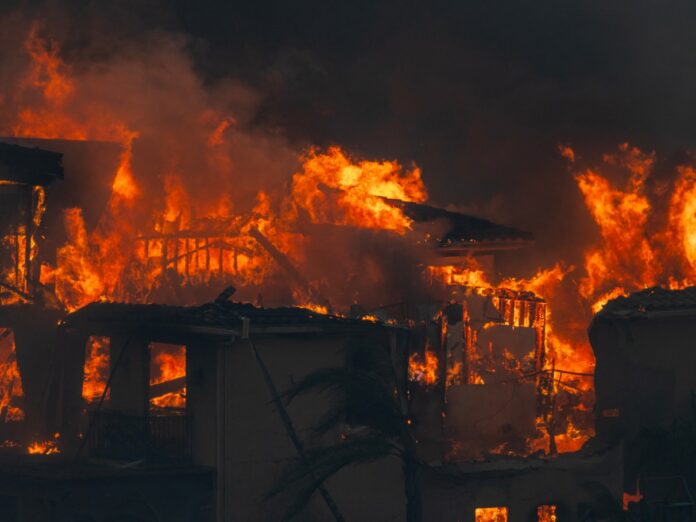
column 323, row 380
column 305, row 475
column 362, row 393
column 358, row 397
column 318, row 461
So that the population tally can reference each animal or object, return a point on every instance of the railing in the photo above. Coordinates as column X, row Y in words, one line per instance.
column 122, row 436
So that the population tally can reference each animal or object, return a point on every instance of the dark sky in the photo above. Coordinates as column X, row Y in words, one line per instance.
column 477, row 93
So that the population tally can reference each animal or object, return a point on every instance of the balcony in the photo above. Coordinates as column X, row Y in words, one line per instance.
column 121, row 436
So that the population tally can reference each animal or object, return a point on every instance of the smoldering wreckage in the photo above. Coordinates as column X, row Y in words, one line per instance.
column 150, row 346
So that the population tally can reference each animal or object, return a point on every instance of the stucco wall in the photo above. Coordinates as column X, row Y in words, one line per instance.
column 646, row 369
column 255, row 445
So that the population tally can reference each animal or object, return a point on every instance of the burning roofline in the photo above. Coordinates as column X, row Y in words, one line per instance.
column 215, row 319
column 652, row 302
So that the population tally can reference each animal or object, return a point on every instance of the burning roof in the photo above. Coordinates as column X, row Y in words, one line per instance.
column 653, row 300
column 30, row 166
column 222, row 316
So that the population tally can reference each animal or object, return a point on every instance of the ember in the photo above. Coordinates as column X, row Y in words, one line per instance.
column 492, row 514
column 423, row 369
column 48, row 447
column 546, row 514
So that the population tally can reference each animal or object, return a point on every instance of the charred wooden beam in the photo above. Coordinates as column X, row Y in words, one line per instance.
column 16, row 291
column 171, row 386
column 287, row 265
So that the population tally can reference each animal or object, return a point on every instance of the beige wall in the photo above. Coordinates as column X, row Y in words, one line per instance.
column 646, row 368
column 252, row 444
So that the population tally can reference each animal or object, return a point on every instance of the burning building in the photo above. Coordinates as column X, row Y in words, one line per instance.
column 645, row 386
column 28, row 311
column 146, row 382
column 237, row 360
column 143, row 381
column 147, row 371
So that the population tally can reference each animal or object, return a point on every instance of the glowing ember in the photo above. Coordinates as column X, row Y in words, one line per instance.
column 632, row 498
column 491, row 514
column 48, row 447
column 454, row 372
column 315, row 308
column 546, row 513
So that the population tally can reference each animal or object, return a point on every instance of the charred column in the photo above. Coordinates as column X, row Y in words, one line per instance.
column 70, row 357
column 130, row 366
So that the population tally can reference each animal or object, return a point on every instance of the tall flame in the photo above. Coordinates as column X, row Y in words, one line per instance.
column 358, row 189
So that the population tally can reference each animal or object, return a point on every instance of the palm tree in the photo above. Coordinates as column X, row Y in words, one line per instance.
column 365, row 394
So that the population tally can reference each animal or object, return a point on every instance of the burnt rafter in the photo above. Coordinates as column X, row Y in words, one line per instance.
column 461, row 229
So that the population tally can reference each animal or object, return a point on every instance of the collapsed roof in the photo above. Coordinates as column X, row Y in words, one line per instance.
column 462, row 231
column 218, row 317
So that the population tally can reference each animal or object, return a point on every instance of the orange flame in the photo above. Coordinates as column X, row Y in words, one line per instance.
column 129, row 255
column 632, row 498
column 491, row 514
column 48, row 447
column 625, row 257
column 96, row 369
column 423, row 370
column 11, row 391
column 361, row 187
column 168, row 364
